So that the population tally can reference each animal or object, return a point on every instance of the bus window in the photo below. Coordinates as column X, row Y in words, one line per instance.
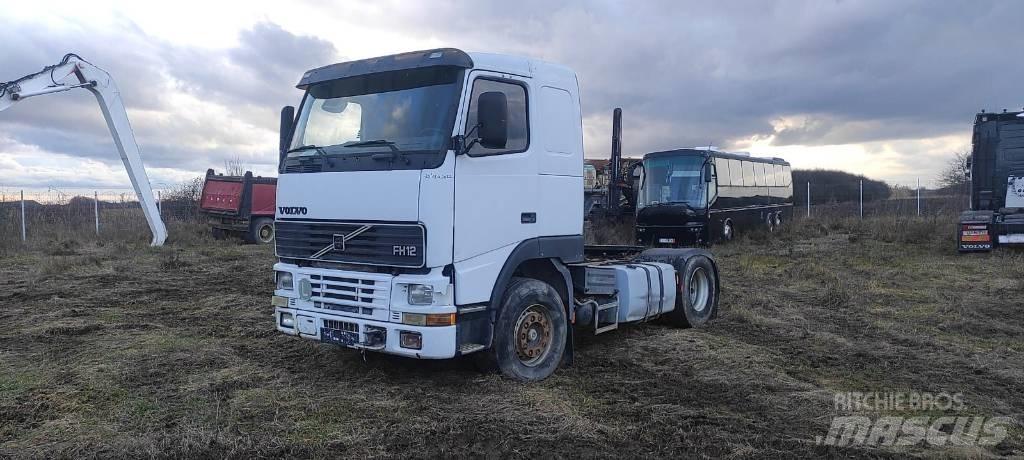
column 735, row 172
column 759, row 174
column 769, row 175
column 787, row 175
column 722, row 171
column 748, row 173
column 779, row 180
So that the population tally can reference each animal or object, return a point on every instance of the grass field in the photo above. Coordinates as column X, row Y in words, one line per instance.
column 116, row 349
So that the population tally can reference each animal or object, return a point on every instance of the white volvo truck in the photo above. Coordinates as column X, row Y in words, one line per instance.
column 430, row 205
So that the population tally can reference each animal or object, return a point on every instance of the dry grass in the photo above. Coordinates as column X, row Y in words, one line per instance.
column 112, row 348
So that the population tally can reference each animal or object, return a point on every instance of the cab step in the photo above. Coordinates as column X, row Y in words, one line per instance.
column 605, row 310
column 468, row 348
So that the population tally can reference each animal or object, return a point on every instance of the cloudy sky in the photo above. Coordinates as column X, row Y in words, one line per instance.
column 882, row 88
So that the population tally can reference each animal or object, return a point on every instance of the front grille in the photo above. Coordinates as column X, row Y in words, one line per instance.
column 392, row 245
column 341, row 325
column 348, row 294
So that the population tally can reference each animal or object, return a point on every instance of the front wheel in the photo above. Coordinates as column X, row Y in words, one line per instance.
column 530, row 334
column 728, row 231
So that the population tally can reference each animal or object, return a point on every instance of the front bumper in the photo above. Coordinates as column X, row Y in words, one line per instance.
column 670, row 235
column 437, row 342
column 365, row 306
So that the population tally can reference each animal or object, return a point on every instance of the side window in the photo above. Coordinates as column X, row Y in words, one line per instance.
column 787, row 175
column 722, row 170
column 748, row 173
column 769, row 175
column 712, row 186
column 759, row 174
column 518, row 120
column 780, row 179
column 735, row 172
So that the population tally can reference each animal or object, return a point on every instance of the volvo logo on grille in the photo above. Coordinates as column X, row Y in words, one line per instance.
column 339, row 240
column 292, row 210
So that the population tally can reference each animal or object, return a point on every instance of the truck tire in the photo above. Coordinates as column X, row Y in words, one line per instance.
column 531, row 331
column 261, row 231
column 218, row 233
column 697, row 297
column 694, row 269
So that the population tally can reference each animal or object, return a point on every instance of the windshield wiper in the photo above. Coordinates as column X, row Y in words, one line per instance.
column 319, row 150
column 374, row 142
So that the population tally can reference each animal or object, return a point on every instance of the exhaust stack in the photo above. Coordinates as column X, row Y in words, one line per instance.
column 615, row 165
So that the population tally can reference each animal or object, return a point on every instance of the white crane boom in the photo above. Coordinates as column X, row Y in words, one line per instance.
column 74, row 72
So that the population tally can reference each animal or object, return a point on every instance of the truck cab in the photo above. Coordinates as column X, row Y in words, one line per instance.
column 996, row 216
column 424, row 196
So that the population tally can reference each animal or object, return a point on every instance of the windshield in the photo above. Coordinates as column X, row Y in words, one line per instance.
column 409, row 112
column 673, row 180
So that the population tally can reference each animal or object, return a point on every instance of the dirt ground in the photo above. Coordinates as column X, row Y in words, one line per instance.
column 115, row 349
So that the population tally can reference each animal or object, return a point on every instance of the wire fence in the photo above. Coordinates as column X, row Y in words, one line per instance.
column 27, row 216
column 811, row 200
column 116, row 214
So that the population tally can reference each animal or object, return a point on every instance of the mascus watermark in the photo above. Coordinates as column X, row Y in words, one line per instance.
column 899, row 430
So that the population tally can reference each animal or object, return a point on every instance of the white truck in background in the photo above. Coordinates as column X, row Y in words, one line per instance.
column 430, row 204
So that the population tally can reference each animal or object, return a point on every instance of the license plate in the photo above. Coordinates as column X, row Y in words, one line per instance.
column 338, row 337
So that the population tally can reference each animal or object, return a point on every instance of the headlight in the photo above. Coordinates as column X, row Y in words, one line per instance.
column 287, row 320
column 421, row 294
column 284, row 280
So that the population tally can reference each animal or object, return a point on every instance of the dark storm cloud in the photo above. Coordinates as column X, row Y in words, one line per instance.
column 726, row 70
column 685, row 73
column 252, row 82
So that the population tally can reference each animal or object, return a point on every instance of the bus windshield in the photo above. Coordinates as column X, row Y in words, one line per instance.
column 675, row 180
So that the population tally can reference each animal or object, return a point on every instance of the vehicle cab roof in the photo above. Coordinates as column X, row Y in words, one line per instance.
column 440, row 57
column 714, row 153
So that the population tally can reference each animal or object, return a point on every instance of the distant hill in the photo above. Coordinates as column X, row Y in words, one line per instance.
column 830, row 186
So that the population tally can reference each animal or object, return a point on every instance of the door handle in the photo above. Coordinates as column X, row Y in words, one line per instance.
column 528, row 218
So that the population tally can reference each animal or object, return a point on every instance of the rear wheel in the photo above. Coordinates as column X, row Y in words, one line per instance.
column 697, row 294
column 770, row 222
column 530, row 334
column 778, row 219
column 261, row 231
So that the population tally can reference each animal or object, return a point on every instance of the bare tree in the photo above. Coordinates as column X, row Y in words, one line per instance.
column 234, row 166
column 957, row 173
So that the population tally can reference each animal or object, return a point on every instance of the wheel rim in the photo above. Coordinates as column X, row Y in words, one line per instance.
column 533, row 335
column 699, row 289
column 727, row 230
column 771, row 223
column 778, row 219
column 266, row 233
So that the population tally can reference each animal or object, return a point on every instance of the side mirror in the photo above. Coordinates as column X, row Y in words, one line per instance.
column 492, row 115
column 709, row 172
column 287, row 120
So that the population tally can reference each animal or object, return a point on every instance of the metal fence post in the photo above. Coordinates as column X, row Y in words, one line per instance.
column 96, row 208
column 23, row 235
column 862, row 198
column 918, row 196
column 808, row 199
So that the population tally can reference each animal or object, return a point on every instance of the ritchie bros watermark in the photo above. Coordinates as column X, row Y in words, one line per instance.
column 868, row 420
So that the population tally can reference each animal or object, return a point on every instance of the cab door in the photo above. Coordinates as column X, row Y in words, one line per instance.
column 496, row 189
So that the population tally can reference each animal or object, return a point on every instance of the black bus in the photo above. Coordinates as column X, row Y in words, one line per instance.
column 697, row 197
